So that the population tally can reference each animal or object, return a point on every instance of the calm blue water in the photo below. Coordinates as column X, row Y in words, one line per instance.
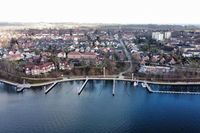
column 131, row 110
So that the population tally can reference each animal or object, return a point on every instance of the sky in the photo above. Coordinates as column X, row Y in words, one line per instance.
column 101, row 11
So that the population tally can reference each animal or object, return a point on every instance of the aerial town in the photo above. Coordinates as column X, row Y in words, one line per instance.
column 140, row 51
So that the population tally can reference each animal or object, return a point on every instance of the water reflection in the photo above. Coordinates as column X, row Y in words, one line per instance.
column 178, row 88
column 5, row 88
column 62, row 110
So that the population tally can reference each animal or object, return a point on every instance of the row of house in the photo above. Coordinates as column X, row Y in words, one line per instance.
column 78, row 55
column 155, row 69
column 39, row 69
column 64, row 66
column 155, row 59
column 13, row 56
column 191, row 53
column 45, row 68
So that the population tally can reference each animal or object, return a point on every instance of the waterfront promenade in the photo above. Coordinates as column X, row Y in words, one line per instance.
column 109, row 77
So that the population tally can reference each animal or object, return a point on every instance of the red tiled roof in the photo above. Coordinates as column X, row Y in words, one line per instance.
column 74, row 53
column 89, row 53
column 39, row 66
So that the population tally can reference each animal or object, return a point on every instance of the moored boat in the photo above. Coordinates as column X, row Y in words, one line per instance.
column 135, row 83
column 144, row 85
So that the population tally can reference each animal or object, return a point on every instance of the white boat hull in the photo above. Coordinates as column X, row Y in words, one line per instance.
column 143, row 85
column 135, row 83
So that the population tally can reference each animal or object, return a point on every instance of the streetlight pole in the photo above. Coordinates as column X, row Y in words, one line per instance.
column 104, row 72
column 132, row 76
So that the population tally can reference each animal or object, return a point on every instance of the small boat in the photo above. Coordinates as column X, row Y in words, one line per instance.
column 144, row 85
column 45, row 87
column 20, row 89
column 135, row 83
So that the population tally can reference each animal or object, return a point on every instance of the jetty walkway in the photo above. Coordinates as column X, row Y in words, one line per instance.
column 169, row 92
column 50, row 87
column 21, row 87
column 81, row 88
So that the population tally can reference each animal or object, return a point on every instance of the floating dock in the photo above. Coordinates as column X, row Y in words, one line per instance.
column 20, row 89
column 113, row 90
column 170, row 92
column 50, row 87
column 82, row 87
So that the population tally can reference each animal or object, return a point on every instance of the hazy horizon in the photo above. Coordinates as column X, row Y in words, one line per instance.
column 93, row 23
column 103, row 12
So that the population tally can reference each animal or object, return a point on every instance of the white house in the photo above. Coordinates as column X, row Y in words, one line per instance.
column 154, row 69
column 61, row 55
column 39, row 69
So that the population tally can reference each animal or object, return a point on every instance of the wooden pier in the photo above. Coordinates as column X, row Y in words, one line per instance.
column 50, row 87
column 113, row 90
column 21, row 87
column 82, row 87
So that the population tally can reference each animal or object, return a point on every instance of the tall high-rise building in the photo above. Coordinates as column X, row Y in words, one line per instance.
column 168, row 35
column 158, row 36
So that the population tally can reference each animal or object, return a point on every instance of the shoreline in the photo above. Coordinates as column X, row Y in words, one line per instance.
column 111, row 77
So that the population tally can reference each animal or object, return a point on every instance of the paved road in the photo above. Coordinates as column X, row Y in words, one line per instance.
column 128, row 55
